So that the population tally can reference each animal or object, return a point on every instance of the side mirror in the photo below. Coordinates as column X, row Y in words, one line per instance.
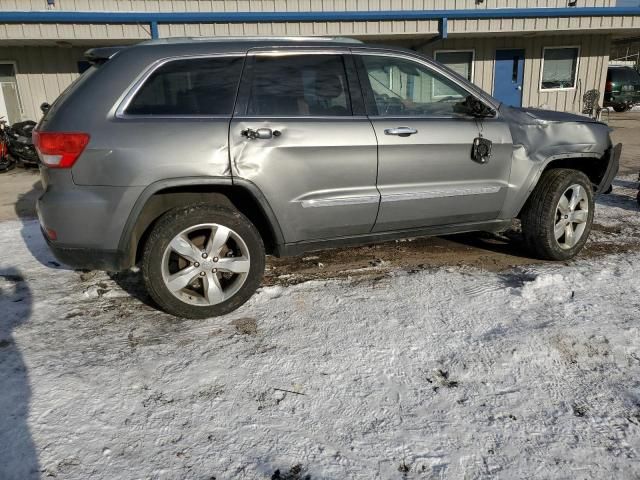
column 45, row 107
column 477, row 108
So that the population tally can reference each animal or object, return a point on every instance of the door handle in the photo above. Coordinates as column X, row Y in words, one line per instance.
column 401, row 131
column 260, row 133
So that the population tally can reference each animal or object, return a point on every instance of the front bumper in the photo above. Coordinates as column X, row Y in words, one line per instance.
column 612, row 169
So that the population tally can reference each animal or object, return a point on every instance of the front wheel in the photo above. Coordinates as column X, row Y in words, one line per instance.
column 557, row 218
column 622, row 107
column 202, row 261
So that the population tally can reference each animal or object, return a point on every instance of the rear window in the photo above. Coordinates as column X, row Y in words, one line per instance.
column 625, row 75
column 204, row 86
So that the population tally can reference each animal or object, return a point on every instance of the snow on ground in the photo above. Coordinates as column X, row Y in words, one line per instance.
column 449, row 373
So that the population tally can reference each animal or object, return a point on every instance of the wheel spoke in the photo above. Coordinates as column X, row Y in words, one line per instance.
column 183, row 247
column 560, row 228
column 580, row 216
column 217, row 240
column 212, row 289
column 569, row 238
column 234, row 264
column 563, row 205
column 181, row 279
column 576, row 196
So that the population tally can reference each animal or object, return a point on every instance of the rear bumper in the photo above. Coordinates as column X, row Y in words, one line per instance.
column 621, row 98
column 88, row 221
column 87, row 258
column 612, row 169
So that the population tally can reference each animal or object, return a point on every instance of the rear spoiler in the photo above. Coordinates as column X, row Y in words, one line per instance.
column 98, row 56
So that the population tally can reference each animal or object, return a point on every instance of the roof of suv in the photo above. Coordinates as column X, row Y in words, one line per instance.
column 187, row 45
column 252, row 39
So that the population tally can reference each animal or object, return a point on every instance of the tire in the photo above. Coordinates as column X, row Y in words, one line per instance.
column 543, row 212
column 207, row 294
column 6, row 165
column 621, row 108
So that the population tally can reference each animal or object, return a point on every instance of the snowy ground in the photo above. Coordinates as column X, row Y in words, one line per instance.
column 454, row 372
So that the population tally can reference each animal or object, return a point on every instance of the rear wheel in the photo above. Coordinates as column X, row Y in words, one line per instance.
column 202, row 261
column 623, row 107
column 557, row 218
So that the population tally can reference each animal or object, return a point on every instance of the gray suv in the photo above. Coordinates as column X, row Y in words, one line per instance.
column 196, row 157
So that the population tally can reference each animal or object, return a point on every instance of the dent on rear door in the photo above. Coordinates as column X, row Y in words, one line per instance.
column 318, row 176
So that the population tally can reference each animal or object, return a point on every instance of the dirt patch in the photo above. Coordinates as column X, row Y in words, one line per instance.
column 486, row 251
column 246, row 326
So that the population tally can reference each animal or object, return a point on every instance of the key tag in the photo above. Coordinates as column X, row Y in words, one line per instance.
column 481, row 151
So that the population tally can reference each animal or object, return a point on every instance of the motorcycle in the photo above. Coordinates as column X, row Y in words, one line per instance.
column 7, row 162
column 16, row 145
column 21, row 146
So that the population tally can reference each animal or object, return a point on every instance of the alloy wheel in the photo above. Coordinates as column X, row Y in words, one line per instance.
column 572, row 214
column 205, row 264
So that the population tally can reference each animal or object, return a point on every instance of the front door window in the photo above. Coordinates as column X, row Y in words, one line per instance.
column 405, row 88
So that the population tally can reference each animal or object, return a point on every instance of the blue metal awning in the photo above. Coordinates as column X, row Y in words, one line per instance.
column 154, row 18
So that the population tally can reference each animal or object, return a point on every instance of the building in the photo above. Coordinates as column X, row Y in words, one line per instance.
column 539, row 53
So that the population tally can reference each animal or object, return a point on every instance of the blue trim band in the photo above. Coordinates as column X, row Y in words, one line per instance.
column 255, row 17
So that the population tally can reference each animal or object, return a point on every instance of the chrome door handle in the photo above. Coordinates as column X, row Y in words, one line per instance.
column 401, row 131
column 260, row 133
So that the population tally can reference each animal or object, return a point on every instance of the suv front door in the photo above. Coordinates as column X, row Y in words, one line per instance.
column 426, row 173
column 301, row 135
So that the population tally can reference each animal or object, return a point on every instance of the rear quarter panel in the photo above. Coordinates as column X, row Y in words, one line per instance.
column 137, row 151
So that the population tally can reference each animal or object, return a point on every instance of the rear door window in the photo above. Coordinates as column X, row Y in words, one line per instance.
column 299, row 86
column 202, row 86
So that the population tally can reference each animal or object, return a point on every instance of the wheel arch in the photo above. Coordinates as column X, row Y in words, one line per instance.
column 593, row 165
column 162, row 196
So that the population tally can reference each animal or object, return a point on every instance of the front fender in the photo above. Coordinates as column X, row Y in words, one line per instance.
column 525, row 175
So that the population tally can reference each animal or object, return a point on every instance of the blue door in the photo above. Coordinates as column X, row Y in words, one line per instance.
column 508, row 77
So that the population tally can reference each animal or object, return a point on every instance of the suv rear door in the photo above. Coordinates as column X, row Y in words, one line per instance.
column 426, row 174
column 300, row 134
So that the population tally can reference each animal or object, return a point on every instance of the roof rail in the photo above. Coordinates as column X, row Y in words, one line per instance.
column 171, row 40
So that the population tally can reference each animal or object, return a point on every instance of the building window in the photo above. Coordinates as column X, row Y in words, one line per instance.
column 205, row 86
column 559, row 68
column 460, row 61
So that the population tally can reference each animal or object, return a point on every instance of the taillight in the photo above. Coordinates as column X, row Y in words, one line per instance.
column 609, row 87
column 59, row 149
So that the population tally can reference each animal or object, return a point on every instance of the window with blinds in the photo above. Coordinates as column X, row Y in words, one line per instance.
column 460, row 61
column 559, row 68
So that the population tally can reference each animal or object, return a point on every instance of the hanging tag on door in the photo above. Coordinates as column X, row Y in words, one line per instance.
column 481, row 151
